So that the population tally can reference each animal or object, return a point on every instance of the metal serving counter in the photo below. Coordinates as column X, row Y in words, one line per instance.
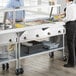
column 17, row 37
column 27, row 39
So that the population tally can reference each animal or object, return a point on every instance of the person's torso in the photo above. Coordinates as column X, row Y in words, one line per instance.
column 71, row 9
column 17, row 3
column 19, row 15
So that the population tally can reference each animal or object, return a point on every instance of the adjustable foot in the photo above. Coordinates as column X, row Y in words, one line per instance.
column 65, row 58
column 51, row 54
column 19, row 71
column 3, row 67
column 7, row 66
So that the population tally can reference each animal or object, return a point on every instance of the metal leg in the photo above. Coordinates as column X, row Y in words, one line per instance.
column 19, row 70
column 64, row 56
column 63, row 46
column 16, row 55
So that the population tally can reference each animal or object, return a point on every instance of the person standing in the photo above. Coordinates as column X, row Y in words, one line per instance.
column 19, row 15
column 70, row 20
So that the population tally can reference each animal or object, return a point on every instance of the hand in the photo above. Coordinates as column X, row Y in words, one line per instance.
column 58, row 17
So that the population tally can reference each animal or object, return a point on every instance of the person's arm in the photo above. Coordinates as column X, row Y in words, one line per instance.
column 6, row 18
column 63, row 14
column 69, row 14
column 9, row 5
column 6, row 13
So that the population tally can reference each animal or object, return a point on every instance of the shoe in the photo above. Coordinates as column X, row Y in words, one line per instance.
column 68, row 65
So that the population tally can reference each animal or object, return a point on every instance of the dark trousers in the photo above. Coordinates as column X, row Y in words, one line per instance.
column 71, row 41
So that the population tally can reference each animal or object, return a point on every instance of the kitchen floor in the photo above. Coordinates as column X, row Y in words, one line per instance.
column 42, row 65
